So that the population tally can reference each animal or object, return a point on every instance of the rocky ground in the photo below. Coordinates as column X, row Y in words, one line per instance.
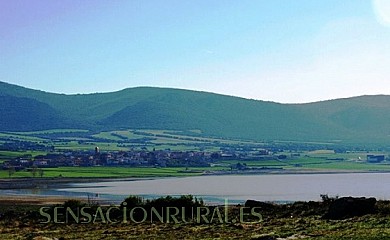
column 301, row 220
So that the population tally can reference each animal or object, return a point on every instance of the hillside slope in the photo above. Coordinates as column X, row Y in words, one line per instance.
column 363, row 117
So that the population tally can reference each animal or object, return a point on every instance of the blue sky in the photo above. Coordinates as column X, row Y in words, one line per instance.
column 275, row 50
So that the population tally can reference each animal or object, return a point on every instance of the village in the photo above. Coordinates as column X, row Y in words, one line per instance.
column 156, row 158
column 230, row 158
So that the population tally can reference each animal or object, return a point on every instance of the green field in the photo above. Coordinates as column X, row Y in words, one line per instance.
column 88, row 146
column 100, row 171
column 20, row 137
column 11, row 154
column 68, row 139
column 51, row 131
column 322, row 159
column 107, row 172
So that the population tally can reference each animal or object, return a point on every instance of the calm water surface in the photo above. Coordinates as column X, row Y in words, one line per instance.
column 235, row 188
column 238, row 188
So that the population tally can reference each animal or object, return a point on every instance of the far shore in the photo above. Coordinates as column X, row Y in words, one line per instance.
column 51, row 183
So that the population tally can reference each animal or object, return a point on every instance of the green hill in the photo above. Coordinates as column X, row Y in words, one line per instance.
column 23, row 114
column 354, row 119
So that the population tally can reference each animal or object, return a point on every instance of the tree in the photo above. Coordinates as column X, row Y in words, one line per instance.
column 40, row 172
column 34, row 171
column 11, row 171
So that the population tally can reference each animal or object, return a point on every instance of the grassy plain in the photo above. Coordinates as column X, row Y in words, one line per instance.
column 124, row 140
column 100, row 172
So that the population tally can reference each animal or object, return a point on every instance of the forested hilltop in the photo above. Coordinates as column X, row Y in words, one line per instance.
column 357, row 119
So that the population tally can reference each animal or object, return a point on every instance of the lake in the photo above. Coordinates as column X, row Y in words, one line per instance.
column 235, row 188
column 238, row 188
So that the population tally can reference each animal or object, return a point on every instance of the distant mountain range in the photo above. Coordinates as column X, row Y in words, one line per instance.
column 357, row 119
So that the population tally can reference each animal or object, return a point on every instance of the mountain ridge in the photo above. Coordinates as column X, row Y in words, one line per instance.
column 361, row 117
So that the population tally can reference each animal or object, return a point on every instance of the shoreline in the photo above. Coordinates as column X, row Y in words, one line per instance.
column 50, row 183
column 15, row 199
column 41, row 190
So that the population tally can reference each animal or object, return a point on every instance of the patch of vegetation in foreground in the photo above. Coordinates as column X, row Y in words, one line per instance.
column 301, row 228
column 301, row 220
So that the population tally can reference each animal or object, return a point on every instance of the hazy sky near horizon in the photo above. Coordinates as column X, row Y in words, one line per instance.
column 276, row 50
